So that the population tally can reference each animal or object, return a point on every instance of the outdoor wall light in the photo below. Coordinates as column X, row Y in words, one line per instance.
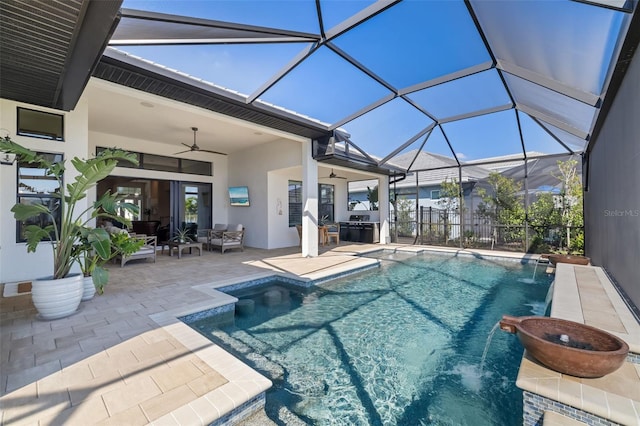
column 6, row 158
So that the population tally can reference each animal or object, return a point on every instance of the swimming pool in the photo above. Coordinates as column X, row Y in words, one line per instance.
column 401, row 344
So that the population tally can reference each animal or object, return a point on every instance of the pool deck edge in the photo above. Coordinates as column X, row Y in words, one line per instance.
column 578, row 296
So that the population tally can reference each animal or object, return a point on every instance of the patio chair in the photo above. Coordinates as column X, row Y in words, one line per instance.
column 333, row 232
column 299, row 229
column 214, row 233
column 232, row 238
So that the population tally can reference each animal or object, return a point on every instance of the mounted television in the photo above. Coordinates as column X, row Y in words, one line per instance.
column 239, row 196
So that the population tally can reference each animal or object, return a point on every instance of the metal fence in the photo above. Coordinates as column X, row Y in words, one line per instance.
column 447, row 228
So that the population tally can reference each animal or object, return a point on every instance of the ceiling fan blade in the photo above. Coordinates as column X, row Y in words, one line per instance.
column 188, row 146
column 181, row 152
column 212, row 152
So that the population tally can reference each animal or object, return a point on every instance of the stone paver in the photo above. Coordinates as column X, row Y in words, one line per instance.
column 111, row 363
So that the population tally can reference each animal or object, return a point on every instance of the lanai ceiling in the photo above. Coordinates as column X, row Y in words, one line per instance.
column 463, row 79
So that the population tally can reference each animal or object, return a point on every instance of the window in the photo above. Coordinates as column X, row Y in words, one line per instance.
column 325, row 205
column 191, row 204
column 160, row 162
column 34, row 187
column 295, row 203
column 132, row 195
column 39, row 124
column 167, row 164
column 435, row 194
column 195, row 167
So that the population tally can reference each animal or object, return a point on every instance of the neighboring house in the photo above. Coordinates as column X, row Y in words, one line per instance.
column 424, row 185
column 541, row 172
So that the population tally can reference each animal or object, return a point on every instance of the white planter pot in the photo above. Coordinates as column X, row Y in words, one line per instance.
column 57, row 298
column 89, row 290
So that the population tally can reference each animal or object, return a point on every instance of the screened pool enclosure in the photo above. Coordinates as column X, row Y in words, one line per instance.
column 425, row 91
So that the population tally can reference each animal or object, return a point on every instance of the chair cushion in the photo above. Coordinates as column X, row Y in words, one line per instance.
column 235, row 227
column 227, row 242
column 220, row 227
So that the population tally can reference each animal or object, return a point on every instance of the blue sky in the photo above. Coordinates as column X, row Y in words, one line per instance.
column 413, row 42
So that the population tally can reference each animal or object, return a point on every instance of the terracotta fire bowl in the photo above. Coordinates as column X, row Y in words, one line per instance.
column 568, row 347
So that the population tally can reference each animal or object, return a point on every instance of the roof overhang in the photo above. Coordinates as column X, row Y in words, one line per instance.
column 130, row 71
column 48, row 52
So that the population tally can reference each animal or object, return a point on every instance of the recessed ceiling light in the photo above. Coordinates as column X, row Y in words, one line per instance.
column 147, row 104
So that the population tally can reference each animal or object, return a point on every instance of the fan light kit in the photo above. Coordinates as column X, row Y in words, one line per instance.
column 332, row 175
column 195, row 146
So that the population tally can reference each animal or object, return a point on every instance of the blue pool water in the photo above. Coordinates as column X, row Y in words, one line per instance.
column 398, row 345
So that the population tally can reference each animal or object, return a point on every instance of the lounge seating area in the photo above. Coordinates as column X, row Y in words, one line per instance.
column 223, row 237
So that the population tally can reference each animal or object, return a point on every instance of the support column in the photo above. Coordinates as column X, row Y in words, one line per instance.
column 309, row 202
column 460, row 207
column 383, row 207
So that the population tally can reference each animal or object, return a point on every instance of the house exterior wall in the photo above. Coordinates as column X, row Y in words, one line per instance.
column 612, row 202
column 266, row 170
column 219, row 197
column 15, row 263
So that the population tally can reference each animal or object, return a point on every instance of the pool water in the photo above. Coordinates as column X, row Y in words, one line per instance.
column 398, row 345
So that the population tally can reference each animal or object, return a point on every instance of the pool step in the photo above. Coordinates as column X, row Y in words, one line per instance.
column 551, row 418
column 245, row 346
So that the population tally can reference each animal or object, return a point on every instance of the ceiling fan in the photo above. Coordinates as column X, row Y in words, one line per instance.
column 332, row 175
column 195, row 146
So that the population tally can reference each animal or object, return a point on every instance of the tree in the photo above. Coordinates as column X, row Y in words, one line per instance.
column 571, row 197
column 404, row 219
column 543, row 212
column 449, row 194
column 191, row 209
column 502, row 204
column 372, row 196
column 449, row 201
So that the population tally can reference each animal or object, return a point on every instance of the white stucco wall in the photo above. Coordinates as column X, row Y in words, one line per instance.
column 15, row 263
column 278, row 231
column 265, row 170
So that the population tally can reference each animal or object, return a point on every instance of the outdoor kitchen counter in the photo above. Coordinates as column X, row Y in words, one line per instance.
column 360, row 231
column 584, row 294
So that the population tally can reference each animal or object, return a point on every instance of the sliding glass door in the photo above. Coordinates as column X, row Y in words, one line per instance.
column 190, row 206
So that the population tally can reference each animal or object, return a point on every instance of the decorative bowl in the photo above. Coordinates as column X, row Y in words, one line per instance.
column 568, row 347
column 568, row 258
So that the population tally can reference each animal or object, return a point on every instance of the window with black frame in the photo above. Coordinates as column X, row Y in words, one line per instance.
column 40, row 124
column 35, row 187
column 295, row 203
column 325, row 205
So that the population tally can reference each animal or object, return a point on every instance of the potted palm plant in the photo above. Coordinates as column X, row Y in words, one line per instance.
column 59, row 295
column 95, row 248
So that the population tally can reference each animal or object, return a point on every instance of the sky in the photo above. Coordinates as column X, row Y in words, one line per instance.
column 410, row 43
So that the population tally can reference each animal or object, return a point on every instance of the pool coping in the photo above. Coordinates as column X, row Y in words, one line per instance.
column 244, row 393
column 587, row 397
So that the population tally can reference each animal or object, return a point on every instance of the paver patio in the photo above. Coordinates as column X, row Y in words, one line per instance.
column 111, row 363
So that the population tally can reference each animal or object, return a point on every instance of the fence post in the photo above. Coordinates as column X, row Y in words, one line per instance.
column 430, row 228
column 420, row 231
